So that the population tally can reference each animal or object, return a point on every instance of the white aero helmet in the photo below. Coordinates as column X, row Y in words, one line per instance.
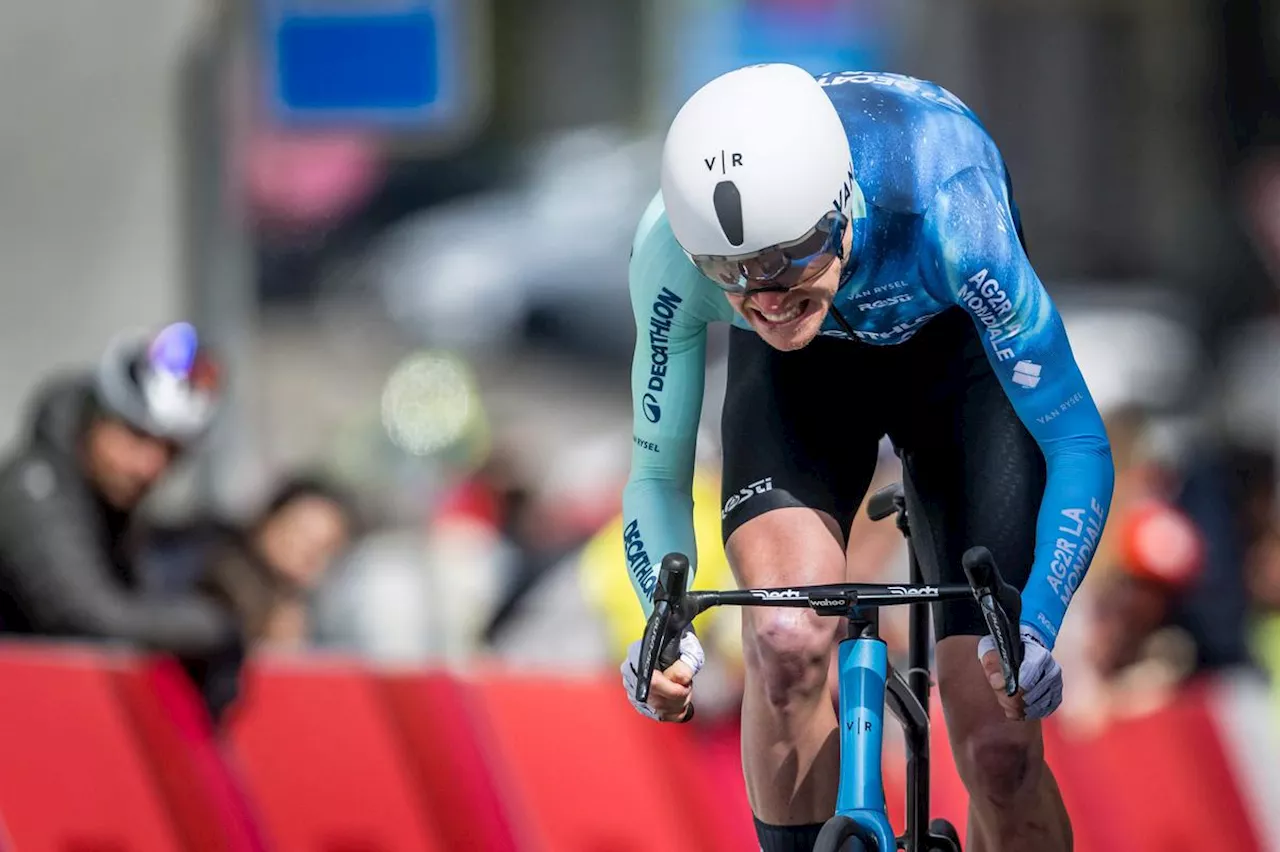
column 757, row 178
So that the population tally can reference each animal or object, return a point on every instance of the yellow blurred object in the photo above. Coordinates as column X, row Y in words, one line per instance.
column 607, row 587
column 1266, row 644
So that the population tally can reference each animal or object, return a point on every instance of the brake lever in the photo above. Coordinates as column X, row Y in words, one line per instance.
column 1008, row 645
column 661, row 644
column 1001, row 606
column 655, row 637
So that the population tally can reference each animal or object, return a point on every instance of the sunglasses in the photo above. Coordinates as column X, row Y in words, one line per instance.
column 782, row 266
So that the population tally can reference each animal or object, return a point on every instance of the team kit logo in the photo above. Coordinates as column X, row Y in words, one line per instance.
column 760, row 486
column 660, row 317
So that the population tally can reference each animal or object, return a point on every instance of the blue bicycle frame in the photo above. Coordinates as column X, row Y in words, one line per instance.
column 863, row 668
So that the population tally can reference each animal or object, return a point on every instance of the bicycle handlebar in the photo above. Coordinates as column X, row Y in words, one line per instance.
column 674, row 608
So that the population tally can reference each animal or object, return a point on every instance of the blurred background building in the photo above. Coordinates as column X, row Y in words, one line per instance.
column 405, row 226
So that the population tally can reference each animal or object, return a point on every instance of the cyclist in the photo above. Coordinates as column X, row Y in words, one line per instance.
column 857, row 231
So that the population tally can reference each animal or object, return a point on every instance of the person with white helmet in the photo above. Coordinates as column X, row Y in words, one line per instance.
column 858, row 232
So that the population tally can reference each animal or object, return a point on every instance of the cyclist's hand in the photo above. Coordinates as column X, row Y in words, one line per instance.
column 670, row 692
column 1039, row 679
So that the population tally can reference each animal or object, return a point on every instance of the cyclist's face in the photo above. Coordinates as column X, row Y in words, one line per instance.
column 791, row 319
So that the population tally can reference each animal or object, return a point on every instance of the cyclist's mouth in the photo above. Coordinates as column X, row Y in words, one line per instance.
column 779, row 316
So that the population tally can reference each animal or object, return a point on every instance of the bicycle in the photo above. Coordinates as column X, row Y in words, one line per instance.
column 866, row 683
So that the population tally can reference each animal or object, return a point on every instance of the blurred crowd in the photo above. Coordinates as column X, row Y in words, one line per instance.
column 508, row 566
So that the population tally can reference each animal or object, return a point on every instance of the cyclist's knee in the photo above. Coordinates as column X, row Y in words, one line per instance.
column 1000, row 762
column 790, row 649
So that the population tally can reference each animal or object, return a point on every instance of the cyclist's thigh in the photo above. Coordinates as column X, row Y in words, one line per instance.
column 796, row 463
column 973, row 473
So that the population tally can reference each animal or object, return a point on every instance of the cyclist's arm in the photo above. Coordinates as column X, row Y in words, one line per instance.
column 982, row 266
column 672, row 307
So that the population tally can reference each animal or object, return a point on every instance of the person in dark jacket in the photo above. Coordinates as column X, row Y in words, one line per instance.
column 98, row 443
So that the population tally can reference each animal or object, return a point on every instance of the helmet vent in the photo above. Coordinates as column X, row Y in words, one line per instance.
column 728, row 203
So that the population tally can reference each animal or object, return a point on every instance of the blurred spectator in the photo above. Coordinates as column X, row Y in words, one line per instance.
column 268, row 571
column 1160, row 555
column 486, row 550
column 98, row 442
column 1214, row 610
column 495, row 497
column 1124, row 652
column 548, row 528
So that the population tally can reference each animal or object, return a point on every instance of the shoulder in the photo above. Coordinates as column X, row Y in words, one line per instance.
column 656, row 258
column 661, row 273
column 973, row 208
column 907, row 136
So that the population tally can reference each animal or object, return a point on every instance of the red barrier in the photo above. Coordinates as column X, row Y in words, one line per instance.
column 72, row 776
column 101, row 755
column 1082, row 793
column 206, row 799
column 460, row 775
column 712, row 777
column 1167, row 783
column 586, row 775
column 320, row 757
